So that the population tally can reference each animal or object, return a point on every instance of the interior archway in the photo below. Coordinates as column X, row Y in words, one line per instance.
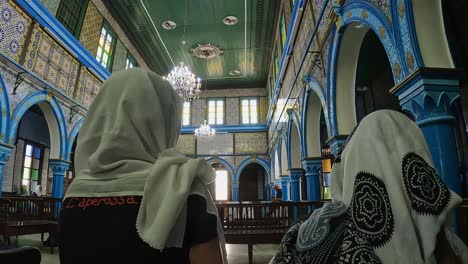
column 284, row 158
column 312, row 123
column 374, row 78
column 221, row 188
column 294, row 146
column 277, row 171
column 32, row 152
column 252, row 182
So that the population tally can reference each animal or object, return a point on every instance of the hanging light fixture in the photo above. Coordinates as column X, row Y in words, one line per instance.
column 184, row 82
column 205, row 131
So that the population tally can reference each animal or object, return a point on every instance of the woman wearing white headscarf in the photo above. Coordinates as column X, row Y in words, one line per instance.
column 388, row 203
column 134, row 197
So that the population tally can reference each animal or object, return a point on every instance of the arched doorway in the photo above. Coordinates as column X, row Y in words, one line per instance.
column 220, row 188
column 252, row 182
column 374, row 78
column 71, row 169
column 31, row 155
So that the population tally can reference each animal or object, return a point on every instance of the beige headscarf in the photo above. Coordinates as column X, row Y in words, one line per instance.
column 395, row 198
column 125, row 148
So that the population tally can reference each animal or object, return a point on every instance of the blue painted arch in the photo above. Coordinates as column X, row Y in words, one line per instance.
column 366, row 13
column 72, row 137
column 294, row 120
column 250, row 160
column 313, row 89
column 5, row 107
column 54, row 116
column 226, row 164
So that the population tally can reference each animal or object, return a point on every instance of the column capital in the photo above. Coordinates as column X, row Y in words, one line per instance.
column 296, row 173
column 428, row 94
column 312, row 165
column 59, row 166
column 336, row 142
column 5, row 152
column 285, row 179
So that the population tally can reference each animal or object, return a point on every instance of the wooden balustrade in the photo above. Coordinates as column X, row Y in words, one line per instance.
column 32, row 207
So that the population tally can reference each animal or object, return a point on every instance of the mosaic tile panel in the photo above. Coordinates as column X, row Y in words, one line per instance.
column 263, row 104
column 250, row 143
column 51, row 5
column 232, row 111
column 120, row 33
column 88, row 87
column 91, row 29
column 239, row 159
column 120, row 57
column 13, row 26
column 52, row 63
column 186, row 144
column 23, row 90
column 198, row 111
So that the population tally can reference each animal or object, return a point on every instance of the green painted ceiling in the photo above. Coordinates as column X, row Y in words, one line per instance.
column 247, row 45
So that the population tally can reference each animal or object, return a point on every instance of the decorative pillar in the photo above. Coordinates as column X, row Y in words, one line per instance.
column 295, row 174
column 285, row 187
column 272, row 190
column 5, row 152
column 59, row 168
column 336, row 142
column 312, row 168
column 428, row 94
column 235, row 191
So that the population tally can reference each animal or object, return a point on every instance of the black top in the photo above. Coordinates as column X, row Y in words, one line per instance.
column 279, row 194
column 103, row 230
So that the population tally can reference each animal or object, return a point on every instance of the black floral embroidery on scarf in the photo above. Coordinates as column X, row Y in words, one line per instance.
column 426, row 191
column 370, row 210
column 355, row 249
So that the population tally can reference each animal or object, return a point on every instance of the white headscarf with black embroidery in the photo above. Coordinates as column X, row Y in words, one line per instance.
column 395, row 198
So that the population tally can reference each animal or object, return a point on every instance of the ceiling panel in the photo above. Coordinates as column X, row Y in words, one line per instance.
column 246, row 46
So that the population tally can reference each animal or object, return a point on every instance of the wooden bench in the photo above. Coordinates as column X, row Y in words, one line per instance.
column 260, row 222
column 25, row 215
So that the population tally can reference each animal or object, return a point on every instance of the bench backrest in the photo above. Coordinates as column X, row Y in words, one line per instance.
column 262, row 216
column 28, row 208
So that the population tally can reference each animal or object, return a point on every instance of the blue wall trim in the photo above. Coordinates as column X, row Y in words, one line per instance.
column 5, row 111
column 72, row 137
column 229, row 128
column 37, row 11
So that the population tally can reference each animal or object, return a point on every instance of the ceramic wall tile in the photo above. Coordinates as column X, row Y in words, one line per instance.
column 91, row 29
column 13, row 28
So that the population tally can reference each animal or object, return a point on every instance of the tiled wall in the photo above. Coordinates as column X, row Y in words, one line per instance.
column 13, row 28
column 51, row 62
column 232, row 96
column 250, row 143
column 120, row 57
column 186, row 144
column 51, row 5
column 91, row 28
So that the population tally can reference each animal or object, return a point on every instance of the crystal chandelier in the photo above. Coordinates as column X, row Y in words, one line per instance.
column 184, row 82
column 205, row 131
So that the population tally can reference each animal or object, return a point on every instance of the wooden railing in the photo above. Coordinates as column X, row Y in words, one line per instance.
column 262, row 215
column 30, row 207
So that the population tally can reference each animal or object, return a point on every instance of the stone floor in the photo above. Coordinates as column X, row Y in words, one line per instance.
column 237, row 254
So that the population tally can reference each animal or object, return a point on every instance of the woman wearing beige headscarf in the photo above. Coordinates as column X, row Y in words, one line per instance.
column 135, row 199
column 388, row 203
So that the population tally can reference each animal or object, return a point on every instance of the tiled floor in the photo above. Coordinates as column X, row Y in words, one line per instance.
column 237, row 254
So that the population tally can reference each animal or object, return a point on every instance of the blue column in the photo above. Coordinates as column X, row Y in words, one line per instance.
column 336, row 143
column 59, row 168
column 295, row 181
column 312, row 168
column 5, row 152
column 428, row 95
column 271, row 190
column 277, row 182
column 235, row 191
column 285, row 187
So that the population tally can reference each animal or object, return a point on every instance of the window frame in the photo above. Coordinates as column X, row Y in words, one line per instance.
column 60, row 15
column 189, row 114
column 216, row 99
column 41, row 161
column 111, row 32
column 130, row 59
column 241, row 114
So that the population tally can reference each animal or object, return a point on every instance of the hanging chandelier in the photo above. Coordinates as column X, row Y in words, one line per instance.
column 184, row 82
column 205, row 131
